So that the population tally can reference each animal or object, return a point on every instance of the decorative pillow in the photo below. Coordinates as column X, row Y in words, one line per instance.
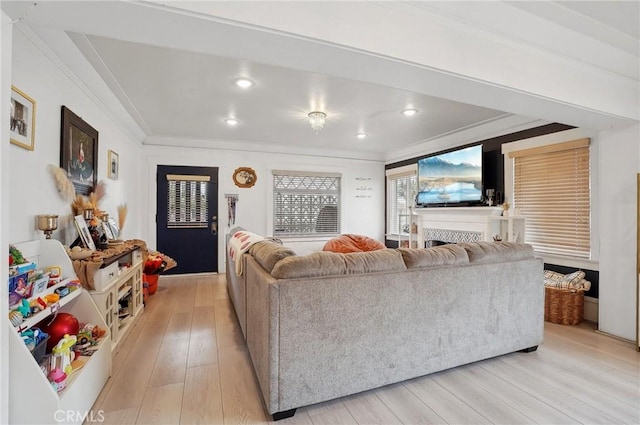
column 352, row 243
column 438, row 256
column 267, row 253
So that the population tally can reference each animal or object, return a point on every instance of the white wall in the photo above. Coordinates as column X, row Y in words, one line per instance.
column 31, row 188
column 5, row 90
column 253, row 211
column 619, row 164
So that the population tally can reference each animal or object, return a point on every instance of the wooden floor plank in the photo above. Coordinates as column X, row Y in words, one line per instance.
column 406, row 406
column 367, row 408
column 544, row 390
column 241, row 399
column 228, row 332
column 202, row 398
column 116, row 417
column 204, row 292
column 445, row 404
column 203, row 347
column 532, row 408
column 162, row 405
column 483, row 402
column 171, row 362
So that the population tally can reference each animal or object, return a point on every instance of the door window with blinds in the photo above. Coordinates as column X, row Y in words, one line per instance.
column 552, row 190
column 401, row 190
column 306, row 203
column 187, row 201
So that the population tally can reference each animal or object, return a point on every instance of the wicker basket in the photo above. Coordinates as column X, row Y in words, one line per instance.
column 563, row 306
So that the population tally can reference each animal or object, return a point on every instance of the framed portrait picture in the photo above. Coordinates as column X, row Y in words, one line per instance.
column 107, row 231
column 23, row 119
column 114, row 165
column 79, row 152
column 83, row 231
column 114, row 228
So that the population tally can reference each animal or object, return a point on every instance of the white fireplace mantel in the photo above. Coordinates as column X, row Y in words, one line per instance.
column 470, row 221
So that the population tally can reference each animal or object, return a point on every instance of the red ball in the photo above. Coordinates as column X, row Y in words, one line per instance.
column 64, row 323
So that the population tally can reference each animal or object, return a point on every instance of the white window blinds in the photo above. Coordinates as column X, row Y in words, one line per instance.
column 552, row 190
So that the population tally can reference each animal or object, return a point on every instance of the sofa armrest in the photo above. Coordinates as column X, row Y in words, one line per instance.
column 263, row 330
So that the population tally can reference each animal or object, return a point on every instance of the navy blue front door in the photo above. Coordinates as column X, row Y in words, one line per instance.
column 187, row 217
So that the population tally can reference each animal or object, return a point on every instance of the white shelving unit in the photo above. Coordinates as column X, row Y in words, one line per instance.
column 407, row 231
column 32, row 399
column 120, row 299
column 510, row 229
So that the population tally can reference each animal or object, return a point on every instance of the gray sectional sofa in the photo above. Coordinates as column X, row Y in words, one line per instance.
column 327, row 325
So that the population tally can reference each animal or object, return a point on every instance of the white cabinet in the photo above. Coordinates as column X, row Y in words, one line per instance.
column 507, row 229
column 120, row 299
column 32, row 399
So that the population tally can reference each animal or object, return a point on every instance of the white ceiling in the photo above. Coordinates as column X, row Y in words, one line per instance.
column 179, row 92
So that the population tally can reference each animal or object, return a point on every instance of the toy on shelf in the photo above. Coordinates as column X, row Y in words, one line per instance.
column 15, row 317
column 58, row 379
column 62, row 324
column 61, row 354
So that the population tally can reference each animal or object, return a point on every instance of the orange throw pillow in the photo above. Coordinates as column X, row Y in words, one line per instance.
column 352, row 243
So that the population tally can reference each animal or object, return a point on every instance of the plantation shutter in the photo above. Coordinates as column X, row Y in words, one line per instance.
column 551, row 189
column 402, row 185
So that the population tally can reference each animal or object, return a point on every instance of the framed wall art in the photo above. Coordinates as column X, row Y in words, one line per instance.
column 79, row 151
column 114, row 165
column 244, row 177
column 23, row 119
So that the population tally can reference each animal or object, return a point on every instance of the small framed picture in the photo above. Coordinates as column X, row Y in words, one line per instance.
column 107, row 230
column 23, row 119
column 83, row 231
column 115, row 231
column 114, row 165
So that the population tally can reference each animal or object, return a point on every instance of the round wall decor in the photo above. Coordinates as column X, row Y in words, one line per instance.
column 244, row 177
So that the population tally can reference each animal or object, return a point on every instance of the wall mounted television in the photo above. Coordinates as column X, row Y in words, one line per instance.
column 451, row 178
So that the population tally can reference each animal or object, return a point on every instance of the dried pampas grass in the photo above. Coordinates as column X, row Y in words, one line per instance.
column 122, row 216
column 78, row 205
column 64, row 185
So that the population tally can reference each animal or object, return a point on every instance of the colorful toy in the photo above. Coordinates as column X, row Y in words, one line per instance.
column 24, row 308
column 15, row 317
column 38, row 305
column 52, row 298
column 61, row 354
column 63, row 324
column 58, row 379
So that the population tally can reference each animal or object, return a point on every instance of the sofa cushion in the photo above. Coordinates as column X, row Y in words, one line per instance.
column 444, row 255
column 496, row 252
column 316, row 264
column 352, row 243
column 382, row 260
column 267, row 253
column 327, row 263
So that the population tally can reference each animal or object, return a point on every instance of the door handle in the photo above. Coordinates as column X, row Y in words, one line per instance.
column 214, row 225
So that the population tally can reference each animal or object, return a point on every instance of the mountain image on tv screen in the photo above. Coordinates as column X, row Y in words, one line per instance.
column 452, row 177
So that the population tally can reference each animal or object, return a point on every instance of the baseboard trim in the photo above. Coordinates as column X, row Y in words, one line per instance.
column 591, row 307
column 619, row 338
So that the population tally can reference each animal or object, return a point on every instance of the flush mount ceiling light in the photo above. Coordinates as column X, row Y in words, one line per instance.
column 409, row 112
column 231, row 121
column 244, row 83
column 316, row 120
column 361, row 135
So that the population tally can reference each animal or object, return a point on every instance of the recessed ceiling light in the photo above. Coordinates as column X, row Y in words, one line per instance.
column 409, row 112
column 231, row 121
column 361, row 135
column 244, row 83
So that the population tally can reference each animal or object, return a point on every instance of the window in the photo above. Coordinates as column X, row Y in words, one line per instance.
column 305, row 203
column 551, row 189
column 187, row 201
column 402, row 186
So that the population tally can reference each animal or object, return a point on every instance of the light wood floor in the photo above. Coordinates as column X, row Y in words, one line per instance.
column 186, row 362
